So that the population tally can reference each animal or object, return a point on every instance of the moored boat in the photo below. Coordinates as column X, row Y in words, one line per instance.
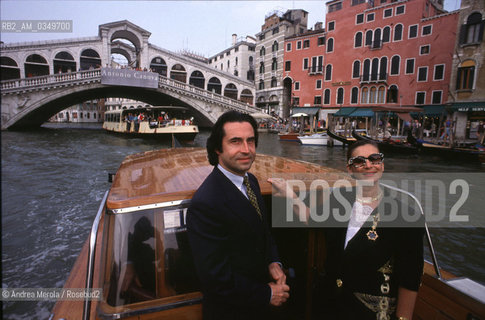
column 476, row 153
column 391, row 145
column 138, row 251
column 342, row 139
column 316, row 139
column 162, row 122
column 288, row 136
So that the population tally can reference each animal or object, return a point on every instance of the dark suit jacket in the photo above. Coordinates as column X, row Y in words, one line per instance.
column 232, row 248
column 360, row 267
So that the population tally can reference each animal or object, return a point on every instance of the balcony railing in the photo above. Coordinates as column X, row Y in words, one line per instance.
column 315, row 69
column 374, row 78
column 376, row 44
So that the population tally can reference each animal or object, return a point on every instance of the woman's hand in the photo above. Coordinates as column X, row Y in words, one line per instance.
column 280, row 188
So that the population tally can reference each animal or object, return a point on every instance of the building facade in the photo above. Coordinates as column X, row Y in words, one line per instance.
column 86, row 112
column 467, row 86
column 388, row 53
column 269, row 59
column 237, row 59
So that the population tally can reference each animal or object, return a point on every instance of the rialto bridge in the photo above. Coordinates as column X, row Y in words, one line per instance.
column 42, row 78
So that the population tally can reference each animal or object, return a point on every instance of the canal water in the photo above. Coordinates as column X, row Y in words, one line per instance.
column 53, row 180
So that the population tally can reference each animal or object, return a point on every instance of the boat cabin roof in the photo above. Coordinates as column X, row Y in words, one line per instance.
column 175, row 174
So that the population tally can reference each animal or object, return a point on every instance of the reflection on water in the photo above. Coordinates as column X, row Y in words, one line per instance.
column 53, row 181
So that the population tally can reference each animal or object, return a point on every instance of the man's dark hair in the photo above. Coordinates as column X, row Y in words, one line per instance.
column 360, row 143
column 214, row 142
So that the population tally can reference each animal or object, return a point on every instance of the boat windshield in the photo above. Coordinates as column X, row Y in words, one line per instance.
column 147, row 256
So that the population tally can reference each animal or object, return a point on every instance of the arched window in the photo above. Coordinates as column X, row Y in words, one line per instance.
column 64, row 62
column 262, row 51
column 368, row 37
column 383, row 69
column 366, row 71
column 9, row 69
column 392, row 94
column 178, row 73
column 273, row 82
column 340, row 96
column 386, row 34
column 247, row 96
column 466, row 75
column 275, row 46
column 159, row 66
column 355, row 95
column 375, row 69
column 356, row 69
column 214, row 85
column 395, row 65
column 365, row 95
column 261, row 67
column 373, row 95
column 326, row 96
column 358, row 40
column 377, row 38
column 274, row 65
column 261, row 84
column 398, row 32
column 472, row 31
column 330, row 45
column 90, row 60
column 35, row 65
column 328, row 72
column 197, row 79
column 381, row 94
column 230, row 91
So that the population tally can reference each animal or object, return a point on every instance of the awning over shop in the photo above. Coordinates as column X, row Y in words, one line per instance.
column 434, row 110
column 405, row 116
column 344, row 112
column 311, row 111
column 466, row 106
column 362, row 112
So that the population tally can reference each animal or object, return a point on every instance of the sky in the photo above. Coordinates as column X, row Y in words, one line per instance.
column 202, row 27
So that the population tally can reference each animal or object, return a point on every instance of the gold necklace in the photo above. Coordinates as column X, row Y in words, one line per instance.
column 366, row 200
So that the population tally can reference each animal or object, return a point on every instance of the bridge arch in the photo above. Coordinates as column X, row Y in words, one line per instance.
column 158, row 65
column 214, row 85
column 178, row 72
column 197, row 79
column 89, row 59
column 9, row 68
column 64, row 62
column 231, row 91
column 36, row 65
column 127, row 35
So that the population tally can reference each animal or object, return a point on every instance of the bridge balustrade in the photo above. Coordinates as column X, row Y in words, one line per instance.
column 81, row 76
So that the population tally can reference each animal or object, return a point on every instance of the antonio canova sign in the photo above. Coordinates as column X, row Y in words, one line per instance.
column 128, row 77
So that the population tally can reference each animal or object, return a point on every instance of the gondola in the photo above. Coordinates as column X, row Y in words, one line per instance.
column 390, row 145
column 476, row 153
column 344, row 140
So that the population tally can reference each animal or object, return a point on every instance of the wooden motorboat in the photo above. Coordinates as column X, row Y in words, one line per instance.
column 162, row 122
column 288, row 136
column 390, row 145
column 138, row 251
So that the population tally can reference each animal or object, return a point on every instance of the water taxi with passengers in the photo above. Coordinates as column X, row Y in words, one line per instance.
column 161, row 122
column 138, row 251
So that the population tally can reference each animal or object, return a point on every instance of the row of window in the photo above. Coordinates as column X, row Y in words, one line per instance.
column 375, row 38
column 373, row 95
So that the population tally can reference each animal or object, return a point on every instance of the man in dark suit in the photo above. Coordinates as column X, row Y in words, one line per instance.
column 234, row 253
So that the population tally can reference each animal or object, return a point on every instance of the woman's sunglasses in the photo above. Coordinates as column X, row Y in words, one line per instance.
column 375, row 159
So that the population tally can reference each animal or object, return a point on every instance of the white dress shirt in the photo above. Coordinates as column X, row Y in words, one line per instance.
column 235, row 179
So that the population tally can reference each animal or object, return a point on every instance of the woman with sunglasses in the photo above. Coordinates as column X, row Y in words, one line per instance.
column 374, row 259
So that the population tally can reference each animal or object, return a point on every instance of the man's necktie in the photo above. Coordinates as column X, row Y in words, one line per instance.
column 252, row 196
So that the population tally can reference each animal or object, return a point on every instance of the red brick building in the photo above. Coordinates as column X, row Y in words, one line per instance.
column 377, row 53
